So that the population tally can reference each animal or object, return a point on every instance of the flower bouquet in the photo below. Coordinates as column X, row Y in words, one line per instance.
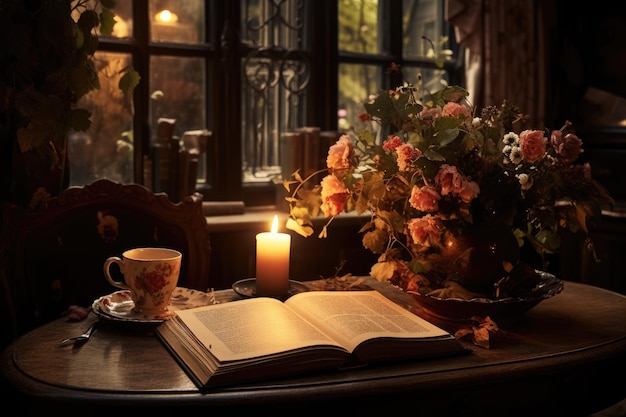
column 454, row 195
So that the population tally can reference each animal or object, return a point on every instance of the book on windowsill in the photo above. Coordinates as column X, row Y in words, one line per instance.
column 262, row 338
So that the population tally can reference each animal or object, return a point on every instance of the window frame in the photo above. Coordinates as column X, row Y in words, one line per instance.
column 222, row 52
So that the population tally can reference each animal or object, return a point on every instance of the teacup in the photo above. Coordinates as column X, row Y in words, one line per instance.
column 150, row 274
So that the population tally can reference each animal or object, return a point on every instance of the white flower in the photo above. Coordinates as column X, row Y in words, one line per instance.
column 516, row 156
column 511, row 138
column 526, row 181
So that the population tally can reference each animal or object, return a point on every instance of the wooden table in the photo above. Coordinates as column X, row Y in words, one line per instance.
column 567, row 356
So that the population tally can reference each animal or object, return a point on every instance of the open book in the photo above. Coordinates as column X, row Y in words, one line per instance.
column 261, row 338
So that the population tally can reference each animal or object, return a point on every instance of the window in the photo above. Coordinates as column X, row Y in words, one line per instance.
column 223, row 82
column 415, row 38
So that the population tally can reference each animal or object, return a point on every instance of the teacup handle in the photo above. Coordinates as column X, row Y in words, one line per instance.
column 107, row 274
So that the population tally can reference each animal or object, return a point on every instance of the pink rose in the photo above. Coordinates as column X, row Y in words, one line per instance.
column 567, row 147
column 456, row 110
column 532, row 144
column 424, row 198
column 429, row 114
column 469, row 191
column 449, row 179
column 334, row 195
column 392, row 143
column 424, row 230
column 340, row 154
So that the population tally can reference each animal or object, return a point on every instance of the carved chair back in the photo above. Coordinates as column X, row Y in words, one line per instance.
column 53, row 257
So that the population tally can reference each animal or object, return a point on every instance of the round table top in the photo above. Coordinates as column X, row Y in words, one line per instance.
column 569, row 346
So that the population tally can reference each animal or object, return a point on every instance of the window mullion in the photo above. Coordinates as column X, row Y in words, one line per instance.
column 141, row 63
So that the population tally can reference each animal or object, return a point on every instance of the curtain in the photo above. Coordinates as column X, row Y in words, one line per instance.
column 506, row 52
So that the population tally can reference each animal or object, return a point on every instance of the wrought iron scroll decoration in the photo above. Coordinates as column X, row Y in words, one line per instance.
column 276, row 78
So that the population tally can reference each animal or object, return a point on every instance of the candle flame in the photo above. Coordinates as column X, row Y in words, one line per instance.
column 275, row 224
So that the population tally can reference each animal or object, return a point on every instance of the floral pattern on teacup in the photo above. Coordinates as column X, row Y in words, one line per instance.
column 153, row 281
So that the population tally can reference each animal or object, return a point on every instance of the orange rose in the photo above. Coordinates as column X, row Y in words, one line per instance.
column 334, row 195
column 339, row 154
column 424, row 198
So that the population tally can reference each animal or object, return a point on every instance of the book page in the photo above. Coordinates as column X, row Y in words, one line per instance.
column 354, row 316
column 250, row 328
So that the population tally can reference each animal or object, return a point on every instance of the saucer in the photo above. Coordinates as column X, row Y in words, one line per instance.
column 247, row 288
column 119, row 306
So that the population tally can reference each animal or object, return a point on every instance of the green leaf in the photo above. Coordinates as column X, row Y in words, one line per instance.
column 449, row 93
column 107, row 21
column 129, row 80
column 374, row 188
column 88, row 20
column 90, row 44
column 447, row 123
column 382, row 107
column 375, row 241
column 433, row 155
column 397, row 221
column 84, row 79
column 445, row 137
column 549, row 240
column 79, row 120
column 109, row 4
column 79, row 36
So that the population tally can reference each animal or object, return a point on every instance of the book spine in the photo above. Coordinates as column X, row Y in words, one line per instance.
column 174, row 161
column 160, row 167
column 292, row 153
column 312, row 161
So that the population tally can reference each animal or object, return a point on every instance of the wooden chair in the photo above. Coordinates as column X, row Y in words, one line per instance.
column 53, row 257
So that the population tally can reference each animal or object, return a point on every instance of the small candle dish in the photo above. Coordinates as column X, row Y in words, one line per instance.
column 247, row 288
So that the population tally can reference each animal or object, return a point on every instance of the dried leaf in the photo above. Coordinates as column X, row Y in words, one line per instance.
column 480, row 329
column 302, row 230
column 481, row 337
column 383, row 271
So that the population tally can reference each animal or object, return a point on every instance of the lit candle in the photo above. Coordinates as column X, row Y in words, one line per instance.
column 272, row 262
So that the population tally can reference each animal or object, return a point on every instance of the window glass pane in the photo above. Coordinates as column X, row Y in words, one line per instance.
column 276, row 74
column 177, row 21
column 422, row 19
column 428, row 79
column 177, row 93
column 123, row 12
column 272, row 103
column 359, row 26
column 356, row 84
column 105, row 150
